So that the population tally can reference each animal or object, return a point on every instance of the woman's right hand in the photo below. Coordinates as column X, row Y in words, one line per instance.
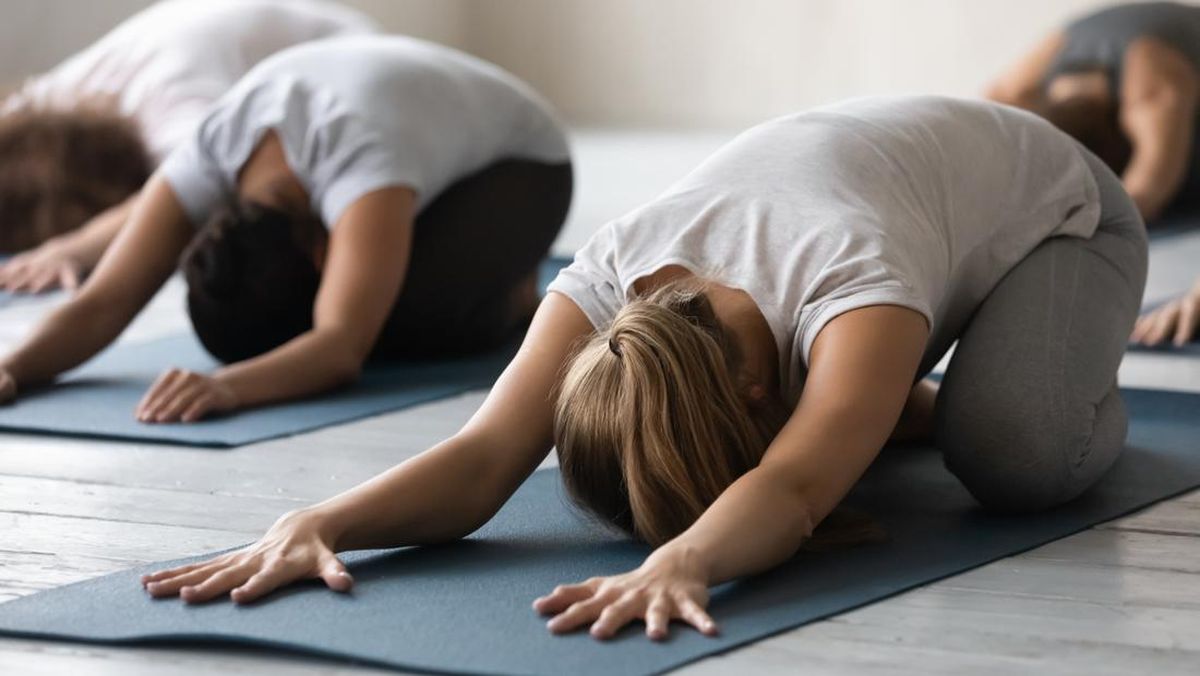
column 295, row 548
column 50, row 266
column 8, row 387
column 1177, row 321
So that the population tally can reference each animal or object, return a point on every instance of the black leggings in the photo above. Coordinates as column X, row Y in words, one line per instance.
column 474, row 247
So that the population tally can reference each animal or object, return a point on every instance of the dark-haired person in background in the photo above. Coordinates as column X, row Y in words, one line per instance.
column 1125, row 82
column 78, row 142
column 355, row 197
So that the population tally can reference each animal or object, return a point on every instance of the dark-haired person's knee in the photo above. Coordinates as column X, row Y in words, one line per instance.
column 1015, row 457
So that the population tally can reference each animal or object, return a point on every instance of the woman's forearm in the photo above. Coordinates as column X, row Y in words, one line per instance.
column 69, row 336
column 441, row 495
column 311, row 363
column 756, row 524
column 88, row 244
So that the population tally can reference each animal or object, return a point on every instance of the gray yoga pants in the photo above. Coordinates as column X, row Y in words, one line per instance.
column 1028, row 415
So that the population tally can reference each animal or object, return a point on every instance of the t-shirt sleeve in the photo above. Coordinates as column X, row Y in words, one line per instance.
column 353, row 162
column 196, row 178
column 866, row 269
column 590, row 281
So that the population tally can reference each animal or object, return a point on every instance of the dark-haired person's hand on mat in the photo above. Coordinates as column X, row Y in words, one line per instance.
column 670, row 585
column 296, row 548
column 185, row 396
column 1177, row 321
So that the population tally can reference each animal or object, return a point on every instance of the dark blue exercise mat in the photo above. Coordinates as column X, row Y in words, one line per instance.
column 98, row 399
column 465, row 607
column 1191, row 349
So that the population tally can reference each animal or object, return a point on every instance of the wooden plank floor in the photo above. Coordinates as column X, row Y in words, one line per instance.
column 1123, row 597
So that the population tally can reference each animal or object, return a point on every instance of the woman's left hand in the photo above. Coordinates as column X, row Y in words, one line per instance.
column 670, row 585
column 184, row 396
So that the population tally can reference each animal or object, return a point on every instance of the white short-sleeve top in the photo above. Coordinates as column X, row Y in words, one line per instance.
column 361, row 113
column 923, row 202
column 167, row 64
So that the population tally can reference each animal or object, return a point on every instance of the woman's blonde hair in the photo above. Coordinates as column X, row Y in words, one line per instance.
column 651, row 423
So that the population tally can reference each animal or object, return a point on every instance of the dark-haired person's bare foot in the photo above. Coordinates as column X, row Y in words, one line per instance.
column 916, row 420
column 525, row 298
column 8, row 387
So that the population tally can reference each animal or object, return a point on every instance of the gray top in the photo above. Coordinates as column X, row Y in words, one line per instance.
column 1099, row 40
column 358, row 114
column 919, row 201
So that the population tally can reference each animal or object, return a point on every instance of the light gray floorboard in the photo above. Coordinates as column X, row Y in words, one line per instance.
column 1123, row 597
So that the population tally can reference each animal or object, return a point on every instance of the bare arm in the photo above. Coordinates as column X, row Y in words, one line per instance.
column 364, row 271
column 65, row 260
column 444, row 493
column 862, row 368
column 1021, row 84
column 139, row 262
column 1158, row 114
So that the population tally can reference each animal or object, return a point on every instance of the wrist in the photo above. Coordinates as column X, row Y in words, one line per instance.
column 327, row 522
column 231, row 395
column 689, row 558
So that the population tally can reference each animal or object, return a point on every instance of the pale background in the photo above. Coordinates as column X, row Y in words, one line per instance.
column 660, row 63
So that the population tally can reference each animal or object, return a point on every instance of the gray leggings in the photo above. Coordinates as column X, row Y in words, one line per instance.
column 1028, row 415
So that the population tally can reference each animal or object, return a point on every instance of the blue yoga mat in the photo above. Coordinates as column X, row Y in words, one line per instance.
column 465, row 607
column 98, row 400
column 1191, row 349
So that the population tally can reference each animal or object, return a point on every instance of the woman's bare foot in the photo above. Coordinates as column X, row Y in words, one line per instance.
column 916, row 420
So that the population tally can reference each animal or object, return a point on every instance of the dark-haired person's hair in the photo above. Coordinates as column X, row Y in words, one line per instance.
column 252, row 279
column 60, row 169
column 1094, row 124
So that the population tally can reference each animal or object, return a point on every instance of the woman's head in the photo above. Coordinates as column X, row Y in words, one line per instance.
column 653, row 421
column 59, row 169
column 252, row 274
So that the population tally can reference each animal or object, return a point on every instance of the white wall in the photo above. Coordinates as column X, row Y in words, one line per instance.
column 716, row 63
column 665, row 63
column 36, row 34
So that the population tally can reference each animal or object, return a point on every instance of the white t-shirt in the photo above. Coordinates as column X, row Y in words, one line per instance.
column 167, row 64
column 922, row 202
column 358, row 114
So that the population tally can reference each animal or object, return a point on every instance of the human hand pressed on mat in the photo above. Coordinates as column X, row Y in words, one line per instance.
column 184, row 396
column 296, row 548
column 670, row 585
column 1177, row 321
column 45, row 268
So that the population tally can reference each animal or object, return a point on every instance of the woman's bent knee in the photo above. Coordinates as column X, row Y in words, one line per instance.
column 1023, row 464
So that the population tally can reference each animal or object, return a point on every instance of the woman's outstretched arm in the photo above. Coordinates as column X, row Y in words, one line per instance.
column 443, row 494
column 1159, row 91
column 140, row 260
column 1021, row 84
column 861, row 371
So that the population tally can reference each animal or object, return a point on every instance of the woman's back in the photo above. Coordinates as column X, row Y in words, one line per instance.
column 924, row 202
